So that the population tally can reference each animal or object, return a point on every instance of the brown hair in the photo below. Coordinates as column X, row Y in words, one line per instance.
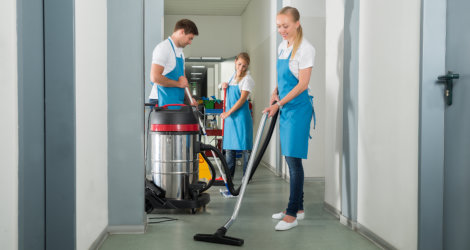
column 187, row 25
column 294, row 13
column 246, row 57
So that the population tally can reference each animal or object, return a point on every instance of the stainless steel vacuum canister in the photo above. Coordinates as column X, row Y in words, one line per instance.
column 173, row 149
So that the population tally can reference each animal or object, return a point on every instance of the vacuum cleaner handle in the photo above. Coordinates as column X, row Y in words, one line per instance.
column 173, row 105
column 200, row 122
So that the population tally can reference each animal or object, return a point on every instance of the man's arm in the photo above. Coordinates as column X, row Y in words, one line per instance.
column 156, row 76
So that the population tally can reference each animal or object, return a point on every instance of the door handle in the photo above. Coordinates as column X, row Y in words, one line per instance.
column 448, row 79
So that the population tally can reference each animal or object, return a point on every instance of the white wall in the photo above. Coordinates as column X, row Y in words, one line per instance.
column 91, row 121
column 226, row 72
column 8, row 126
column 218, row 35
column 389, row 52
column 259, row 40
column 333, row 101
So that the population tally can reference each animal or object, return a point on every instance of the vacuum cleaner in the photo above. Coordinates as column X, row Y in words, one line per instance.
column 174, row 147
column 174, row 144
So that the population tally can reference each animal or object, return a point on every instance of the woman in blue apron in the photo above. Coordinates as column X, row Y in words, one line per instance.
column 294, row 67
column 238, row 124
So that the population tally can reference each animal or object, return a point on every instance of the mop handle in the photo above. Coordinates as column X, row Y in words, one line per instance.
column 205, row 136
column 199, row 118
column 223, row 109
column 246, row 177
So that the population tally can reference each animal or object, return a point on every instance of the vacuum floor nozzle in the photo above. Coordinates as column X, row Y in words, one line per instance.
column 219, row 238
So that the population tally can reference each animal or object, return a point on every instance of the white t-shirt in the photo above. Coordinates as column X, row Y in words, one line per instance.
column 304, row 57
column 163, row 55
column 247, row 83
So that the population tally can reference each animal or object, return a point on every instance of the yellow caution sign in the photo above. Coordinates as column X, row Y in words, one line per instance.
column 204, row 172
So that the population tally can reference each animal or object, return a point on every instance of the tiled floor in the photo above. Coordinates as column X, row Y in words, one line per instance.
column 265, row 195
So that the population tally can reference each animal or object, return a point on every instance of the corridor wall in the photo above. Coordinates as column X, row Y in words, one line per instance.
column 218, row 35
column 389, row 59
column 334, row 50
column 260, row 42
column 91, row 121
column 8, row 126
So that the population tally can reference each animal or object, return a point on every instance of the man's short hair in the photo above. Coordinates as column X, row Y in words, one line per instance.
column 188, row 26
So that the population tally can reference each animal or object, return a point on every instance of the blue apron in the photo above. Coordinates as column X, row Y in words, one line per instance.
column 296, row 115
column 172, row 95
column 238, row 129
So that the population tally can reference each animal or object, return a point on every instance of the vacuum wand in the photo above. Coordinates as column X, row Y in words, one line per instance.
column 219, row 236
column 248, row 170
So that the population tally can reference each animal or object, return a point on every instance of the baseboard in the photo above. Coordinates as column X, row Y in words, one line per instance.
column 362, row 230
column 332, row 210
column 269, row 167
column 100, row 240
column 374, row 238
column 347, row 222
column 126, row 229
column 314, row 179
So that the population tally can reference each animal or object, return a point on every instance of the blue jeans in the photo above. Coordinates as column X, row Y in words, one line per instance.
column 230, row 157
column 296, row 196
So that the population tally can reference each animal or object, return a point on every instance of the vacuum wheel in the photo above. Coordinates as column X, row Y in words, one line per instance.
column 148, row 206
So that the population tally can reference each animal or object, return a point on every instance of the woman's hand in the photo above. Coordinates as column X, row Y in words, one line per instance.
column 224, row 85
column 224, row 115
column 271, row 110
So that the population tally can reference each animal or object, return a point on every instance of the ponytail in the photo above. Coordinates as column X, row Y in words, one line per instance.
column 297, row 41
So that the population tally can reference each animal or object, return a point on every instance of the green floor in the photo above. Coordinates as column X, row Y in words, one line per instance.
column 265, row 195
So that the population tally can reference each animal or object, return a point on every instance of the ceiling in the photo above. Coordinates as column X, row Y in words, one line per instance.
column 206, row 7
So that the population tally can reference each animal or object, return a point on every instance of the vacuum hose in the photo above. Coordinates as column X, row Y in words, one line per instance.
column 219, row 154
column 235, row 191
column 265, row 144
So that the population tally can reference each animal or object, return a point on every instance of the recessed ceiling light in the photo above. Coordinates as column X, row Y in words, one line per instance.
column 194, row 73
column 198, row 66
column 211, row 58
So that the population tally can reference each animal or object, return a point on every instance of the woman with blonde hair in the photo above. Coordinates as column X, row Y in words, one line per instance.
column 294, row 67
column 238, row 124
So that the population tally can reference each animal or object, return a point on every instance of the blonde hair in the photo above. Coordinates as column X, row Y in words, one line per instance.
column 294, row 13
column 246, row 57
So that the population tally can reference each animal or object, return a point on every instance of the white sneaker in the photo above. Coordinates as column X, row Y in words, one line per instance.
column 280, row 216
column 282, row 225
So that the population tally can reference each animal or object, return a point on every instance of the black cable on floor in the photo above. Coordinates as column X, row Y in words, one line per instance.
column 161, row 219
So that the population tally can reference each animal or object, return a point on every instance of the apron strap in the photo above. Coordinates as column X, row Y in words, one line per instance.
column 173, row 47
column 313, row 115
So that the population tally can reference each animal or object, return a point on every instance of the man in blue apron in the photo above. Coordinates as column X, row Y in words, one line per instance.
column 167, row 72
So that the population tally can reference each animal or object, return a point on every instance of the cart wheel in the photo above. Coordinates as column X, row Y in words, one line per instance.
column 148, row 206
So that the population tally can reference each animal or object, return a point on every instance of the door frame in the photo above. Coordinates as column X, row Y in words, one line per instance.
column 46, row 119
column 431, row 125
